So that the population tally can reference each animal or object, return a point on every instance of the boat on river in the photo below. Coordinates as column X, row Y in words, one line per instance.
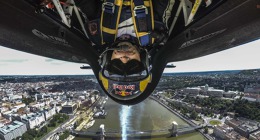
column 89, row 124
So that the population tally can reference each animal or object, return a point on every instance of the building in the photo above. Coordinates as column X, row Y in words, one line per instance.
column 226, row 132
column 37, row 104
column 244, row 126
column 215, row 92
column 251, row 97
column 31, row 120
column 252, row 88
column 230, row 94
column 205, row 90
column 234, row 136
column 255, row 135
column 247, row 128
column 16, row 107
column 4, row 109
column 38, row 96
column 233, row 123
column 69, row 108
column 42, row 96
column 12, row 97
column 12, row 131
column 4, row 121
column 48, row 113
column 221, row 131
column 192, row 92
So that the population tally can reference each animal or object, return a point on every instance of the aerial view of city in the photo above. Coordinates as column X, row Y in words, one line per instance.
column 129, row 70
column 184, row 106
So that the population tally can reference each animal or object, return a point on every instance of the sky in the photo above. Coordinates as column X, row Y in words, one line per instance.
column 14, row 62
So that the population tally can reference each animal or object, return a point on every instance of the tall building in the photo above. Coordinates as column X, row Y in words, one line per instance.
column 12, row 131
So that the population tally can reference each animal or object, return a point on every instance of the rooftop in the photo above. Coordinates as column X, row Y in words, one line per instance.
column 256, row 134
column 9, row 128
column 224, row 128
column 235, row 136
column 235, row 122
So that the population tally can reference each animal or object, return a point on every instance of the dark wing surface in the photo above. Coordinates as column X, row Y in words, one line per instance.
column 21, row 28
column 228, row 24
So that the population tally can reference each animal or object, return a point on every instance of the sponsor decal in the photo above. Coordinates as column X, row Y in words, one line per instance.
column 49, row 38
column 197, row 40
column 123, row 87
column 123, row 93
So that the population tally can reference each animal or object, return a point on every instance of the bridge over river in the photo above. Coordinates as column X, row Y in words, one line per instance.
column 169, row 131
column 147, row 120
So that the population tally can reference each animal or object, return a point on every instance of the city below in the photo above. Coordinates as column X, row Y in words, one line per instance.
column 218, row 105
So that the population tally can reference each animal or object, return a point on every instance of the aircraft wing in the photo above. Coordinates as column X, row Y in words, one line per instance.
column 21, row 28
column 228, row 25
column 231, row 24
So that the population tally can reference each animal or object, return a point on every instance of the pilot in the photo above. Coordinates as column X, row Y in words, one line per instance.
column 126, row 32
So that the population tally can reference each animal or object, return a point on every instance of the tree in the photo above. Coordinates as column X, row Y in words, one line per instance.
column 52, row 124
column 26, row 136
column 44, row 129
column 206, row 129
column 211, row 114
column 32, row 132
column 182, row 111
column 64, row 135
column 27, row 101
column 193, row 115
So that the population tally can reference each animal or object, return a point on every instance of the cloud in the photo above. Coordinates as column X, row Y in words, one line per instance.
column 57, row 63
column 49, row 60
column 14, row 60
column 3, row 64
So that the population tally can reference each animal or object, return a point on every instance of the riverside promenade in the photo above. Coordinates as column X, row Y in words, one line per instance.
column 173, row 111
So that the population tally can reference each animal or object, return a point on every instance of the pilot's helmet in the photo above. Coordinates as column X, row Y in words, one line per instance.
column 125, row 71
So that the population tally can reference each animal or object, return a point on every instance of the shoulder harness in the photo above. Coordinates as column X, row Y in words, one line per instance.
column 142, row 15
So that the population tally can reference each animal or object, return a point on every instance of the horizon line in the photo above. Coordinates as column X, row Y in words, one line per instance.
column 93, row 74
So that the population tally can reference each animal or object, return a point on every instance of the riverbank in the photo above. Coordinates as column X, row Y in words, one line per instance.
column 173, row 111
column 147, row 118
column 181, row 116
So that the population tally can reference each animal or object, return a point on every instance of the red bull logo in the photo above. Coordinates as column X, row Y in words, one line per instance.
column 123, row 93
column 123, row 87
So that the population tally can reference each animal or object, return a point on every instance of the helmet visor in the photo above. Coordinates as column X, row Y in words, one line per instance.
column 131, row 71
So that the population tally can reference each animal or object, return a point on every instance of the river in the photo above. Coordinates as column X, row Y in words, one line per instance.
column 148, row 115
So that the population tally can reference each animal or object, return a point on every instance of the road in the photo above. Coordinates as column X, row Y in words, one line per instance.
column 60, row 128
